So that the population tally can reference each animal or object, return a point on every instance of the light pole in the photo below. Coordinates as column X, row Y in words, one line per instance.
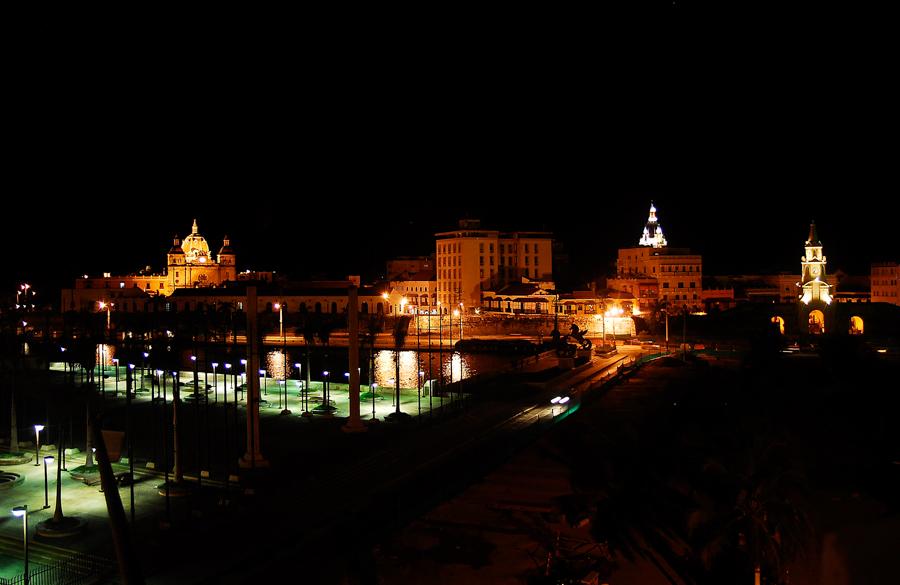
column 462, row 310
column 372, row 389
column 265, row 382
column 47, row 459
column 37, row 444
column 301, row 392
column 116, row 362
column 280, row 307
column 143, row 368
column 215, row 383
column 243, row 377
column 326, row 394
column 22, row 512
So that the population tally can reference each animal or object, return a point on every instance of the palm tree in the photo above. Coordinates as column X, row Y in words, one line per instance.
column 400, row 331
column 750, row 516
column 323, row 331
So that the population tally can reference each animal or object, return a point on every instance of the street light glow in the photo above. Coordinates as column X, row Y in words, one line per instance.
column 19, row 511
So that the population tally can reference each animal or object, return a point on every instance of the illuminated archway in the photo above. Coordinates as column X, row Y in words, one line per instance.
column 816, row 322
column 856, row 325
column 779, row 322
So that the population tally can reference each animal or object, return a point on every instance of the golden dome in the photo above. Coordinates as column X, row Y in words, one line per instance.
column 196, row 250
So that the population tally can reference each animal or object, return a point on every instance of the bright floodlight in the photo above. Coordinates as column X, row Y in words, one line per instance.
column 297, row 365
column 243, row 362
column 20, row 511
column 215, row 364
column 262, row 372
column 564, row 400
column 193, row 358
column 131, row 366
column 38, row 428
column 48, row 458
column 228, row 366
column 555, row 400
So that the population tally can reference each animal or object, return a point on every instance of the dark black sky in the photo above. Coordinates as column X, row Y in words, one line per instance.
column 334, row 162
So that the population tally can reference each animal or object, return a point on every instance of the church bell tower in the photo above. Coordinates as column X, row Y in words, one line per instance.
column 815, row 292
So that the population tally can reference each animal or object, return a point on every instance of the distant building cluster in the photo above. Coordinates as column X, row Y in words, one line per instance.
column 475, row 270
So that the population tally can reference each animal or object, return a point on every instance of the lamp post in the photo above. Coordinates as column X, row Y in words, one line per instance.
column 143, row 368
column 116, row 362
column 243, row 377
column 22, row 512
column 300, row 385
column 37, row 444
column 372, row 391
column 265, row 381
column 47, row 459
column 462, row 310
column 280, row 307
column 215, row 383
column 129, row 374
column 327, row 402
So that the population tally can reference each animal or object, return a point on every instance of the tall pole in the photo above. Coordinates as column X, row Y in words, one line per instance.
column 441, row 352
column 284, row 362
column 253, row 457
column 22, row 511
column 128, row 377
column 354, row 424
column 430, row 377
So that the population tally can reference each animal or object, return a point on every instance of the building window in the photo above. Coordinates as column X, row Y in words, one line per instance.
column 492, row 260
column 680, row 285
column 481, row 260
column 665, row 285
column 526, row 260
column 502, row 248
column 535, row 260
column 481, row 273
column 491, row 247
column 535, row 250
column 481, row 247
column 501, row 261
column 526, row 248
column 693, row 284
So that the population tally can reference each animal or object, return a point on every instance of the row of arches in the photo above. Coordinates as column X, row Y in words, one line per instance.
column 816, row 323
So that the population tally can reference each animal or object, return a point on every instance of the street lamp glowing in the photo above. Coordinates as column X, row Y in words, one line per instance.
column 193, row 358
column 102, row 304
column 384, row 296
column 243, row 362
column 37, row 443
column 262, row 372
column 277, row 306
column 456, row 312
column 19, row 511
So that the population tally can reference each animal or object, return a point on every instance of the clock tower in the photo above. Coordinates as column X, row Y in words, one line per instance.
column 815, row 295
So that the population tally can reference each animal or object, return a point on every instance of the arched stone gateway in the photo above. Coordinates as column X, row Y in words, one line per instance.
column 778, row 322
column 816, row 322
column 856, row 325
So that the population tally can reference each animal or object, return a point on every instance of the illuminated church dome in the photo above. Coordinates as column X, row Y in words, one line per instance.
column 196, row 250
column 653, row 233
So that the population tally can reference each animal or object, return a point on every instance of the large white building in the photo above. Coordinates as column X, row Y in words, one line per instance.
column 470, row 260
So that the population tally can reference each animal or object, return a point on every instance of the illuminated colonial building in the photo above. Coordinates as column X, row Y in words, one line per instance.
column 471, row 260
column 885, row 282
column 189, row 265
column 815, row 295
column 654, row 273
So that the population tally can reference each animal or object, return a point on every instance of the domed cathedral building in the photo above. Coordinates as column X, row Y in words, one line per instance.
column 190, row 264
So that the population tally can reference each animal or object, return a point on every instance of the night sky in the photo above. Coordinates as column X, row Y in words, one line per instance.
column 335, row 173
